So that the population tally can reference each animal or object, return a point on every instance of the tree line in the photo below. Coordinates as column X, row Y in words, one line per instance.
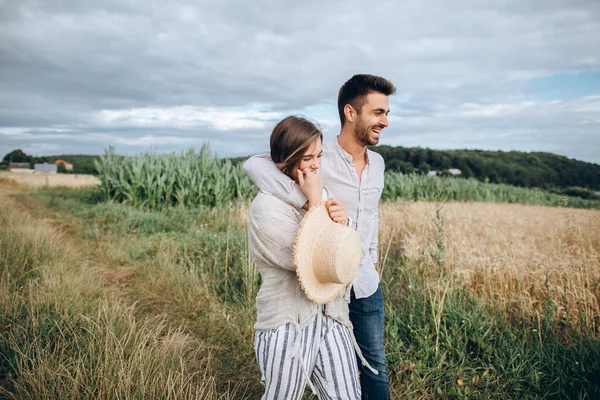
column 535, row 169
column 82, row 164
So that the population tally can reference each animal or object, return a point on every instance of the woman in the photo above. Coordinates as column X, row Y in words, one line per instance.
column 297, row 340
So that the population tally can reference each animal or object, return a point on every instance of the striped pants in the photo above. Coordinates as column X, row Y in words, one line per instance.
column 324, row 353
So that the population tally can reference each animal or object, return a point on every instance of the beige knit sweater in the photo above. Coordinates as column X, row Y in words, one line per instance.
column 272, row 229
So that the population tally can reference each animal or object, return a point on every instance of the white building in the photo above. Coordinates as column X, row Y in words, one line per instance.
column 45, row 167
column 451, row 171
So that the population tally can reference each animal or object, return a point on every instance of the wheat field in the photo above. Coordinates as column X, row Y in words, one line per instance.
column 508, row 253
column 40, row 179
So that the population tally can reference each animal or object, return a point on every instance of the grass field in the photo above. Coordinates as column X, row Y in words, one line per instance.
column 101, row 299
column 510, row 255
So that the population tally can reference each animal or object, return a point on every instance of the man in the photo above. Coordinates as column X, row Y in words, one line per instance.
column 353, row 175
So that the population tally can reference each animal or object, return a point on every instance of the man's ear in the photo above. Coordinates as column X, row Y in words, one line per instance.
column 349, row 113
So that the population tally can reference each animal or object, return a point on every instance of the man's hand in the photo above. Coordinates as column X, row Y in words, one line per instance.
column 311, row 185
column 337, row 212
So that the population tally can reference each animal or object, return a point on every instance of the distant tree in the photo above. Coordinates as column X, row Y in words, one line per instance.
column 466, row 172
column 406, row 167
column 16, row 156
column 424, row 168
column 476, row 166
column 61, row 169
column 493, row 177
column 85, row 166
column 444, row 161
column 400, row 166
column 393, row 165
column 38, row 160
column 580, row 192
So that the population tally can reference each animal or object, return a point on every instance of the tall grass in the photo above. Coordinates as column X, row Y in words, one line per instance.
column 63, row 337
column 446, row 336
column 435, row 188
column 192, row 264
column 444, row 341
column 155, row 180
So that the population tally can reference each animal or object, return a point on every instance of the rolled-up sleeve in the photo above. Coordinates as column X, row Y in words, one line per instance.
column 269, row 179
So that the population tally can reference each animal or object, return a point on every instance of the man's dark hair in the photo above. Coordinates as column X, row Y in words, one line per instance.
column 356, row 89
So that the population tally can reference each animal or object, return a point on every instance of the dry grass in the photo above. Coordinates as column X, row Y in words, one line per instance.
column 39, row 179
column 65, row 336
column 182, row 276
column 510, row 254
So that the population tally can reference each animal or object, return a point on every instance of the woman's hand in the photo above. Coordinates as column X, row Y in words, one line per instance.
column 311, row 185
column 337, row 212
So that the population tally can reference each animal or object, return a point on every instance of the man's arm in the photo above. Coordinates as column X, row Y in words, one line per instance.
column 269, row 179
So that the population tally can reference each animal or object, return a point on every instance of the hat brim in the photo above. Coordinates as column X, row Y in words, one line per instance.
column 317, row 291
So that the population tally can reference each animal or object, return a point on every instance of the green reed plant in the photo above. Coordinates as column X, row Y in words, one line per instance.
column 154, row 180
column 435, row 188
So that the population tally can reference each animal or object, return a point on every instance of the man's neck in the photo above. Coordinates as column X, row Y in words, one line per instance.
column 348, row 142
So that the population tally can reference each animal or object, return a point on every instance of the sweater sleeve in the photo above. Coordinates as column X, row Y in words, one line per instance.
column 269, row 179
column 272, row 229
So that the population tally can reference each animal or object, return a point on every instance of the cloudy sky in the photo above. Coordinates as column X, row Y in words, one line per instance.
column 77, row 76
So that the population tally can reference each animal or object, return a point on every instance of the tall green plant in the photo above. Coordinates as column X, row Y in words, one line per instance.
column 153, row 180
column 419, row 187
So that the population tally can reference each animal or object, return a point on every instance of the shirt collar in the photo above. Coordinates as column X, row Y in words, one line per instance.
column 345, row 155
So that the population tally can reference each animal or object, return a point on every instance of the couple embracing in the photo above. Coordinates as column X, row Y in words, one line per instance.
column 313, row 234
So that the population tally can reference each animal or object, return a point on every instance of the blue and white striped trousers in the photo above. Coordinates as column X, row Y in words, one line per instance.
column 323, row 351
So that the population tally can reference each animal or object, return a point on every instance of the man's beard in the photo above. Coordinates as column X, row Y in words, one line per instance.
column 362, row 133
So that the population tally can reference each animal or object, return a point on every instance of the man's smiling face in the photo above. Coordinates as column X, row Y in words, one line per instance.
column 372, row 119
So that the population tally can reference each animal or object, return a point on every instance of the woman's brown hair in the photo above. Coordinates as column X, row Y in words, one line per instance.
column 291, row 138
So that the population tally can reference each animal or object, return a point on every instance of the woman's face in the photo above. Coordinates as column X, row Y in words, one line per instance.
column 311, row 158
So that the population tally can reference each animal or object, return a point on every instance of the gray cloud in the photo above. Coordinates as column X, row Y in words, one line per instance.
column 66, row 62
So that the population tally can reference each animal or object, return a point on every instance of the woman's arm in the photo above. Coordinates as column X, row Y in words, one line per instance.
column 272, row 228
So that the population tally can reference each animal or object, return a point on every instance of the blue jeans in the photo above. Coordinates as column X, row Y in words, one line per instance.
column 366, row 315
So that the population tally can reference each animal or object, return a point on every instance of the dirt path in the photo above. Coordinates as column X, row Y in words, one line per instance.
column 131, row 285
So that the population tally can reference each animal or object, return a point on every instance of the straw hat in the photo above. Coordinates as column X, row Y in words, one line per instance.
column 327, row 255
